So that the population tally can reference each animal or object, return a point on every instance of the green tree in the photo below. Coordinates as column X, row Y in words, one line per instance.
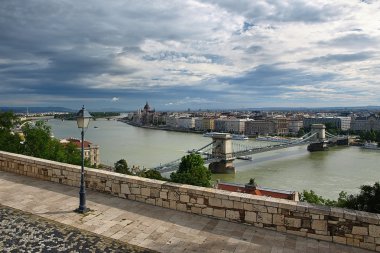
column 367, row 200
column 192, row 171
column 301, row 132
column 121, row 166
column 151, row 173
column 37, row 138
column 8, row 120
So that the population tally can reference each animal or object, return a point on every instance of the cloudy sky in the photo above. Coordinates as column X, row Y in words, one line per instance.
column 189, row 54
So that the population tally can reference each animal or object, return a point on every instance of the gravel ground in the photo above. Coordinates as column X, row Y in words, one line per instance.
column 24, row 232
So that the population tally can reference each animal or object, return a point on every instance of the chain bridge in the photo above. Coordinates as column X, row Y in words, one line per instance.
column 222, row 151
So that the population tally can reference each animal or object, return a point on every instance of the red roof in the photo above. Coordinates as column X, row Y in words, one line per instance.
column 78, row 143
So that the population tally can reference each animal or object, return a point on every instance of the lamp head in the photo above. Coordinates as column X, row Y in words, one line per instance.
column 83, row 118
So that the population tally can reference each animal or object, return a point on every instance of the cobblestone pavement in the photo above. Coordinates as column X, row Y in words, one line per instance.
column 148, row 226
column 24, row 232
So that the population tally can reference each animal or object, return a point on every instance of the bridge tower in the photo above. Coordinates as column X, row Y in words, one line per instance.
column 320, row 131
column 222, row 149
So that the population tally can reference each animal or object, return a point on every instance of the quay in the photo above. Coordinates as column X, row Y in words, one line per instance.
column 151, row 227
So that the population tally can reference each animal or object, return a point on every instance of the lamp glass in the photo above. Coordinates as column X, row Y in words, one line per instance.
column 83, row 118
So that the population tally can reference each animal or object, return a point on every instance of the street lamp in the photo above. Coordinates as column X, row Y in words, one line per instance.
column 83, row 118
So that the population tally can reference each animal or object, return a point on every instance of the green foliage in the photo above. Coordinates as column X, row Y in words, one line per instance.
column 192, row 171
column 153, row 174
column 37, row 138
column 252, row 181
column 301, row 132
column 8, row 120
column 370, row 135
column 38, row 143
column 367, row 200
column 10, row 142
column 121, row 166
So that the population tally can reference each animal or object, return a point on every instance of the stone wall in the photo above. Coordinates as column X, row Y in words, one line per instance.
column 343, row 226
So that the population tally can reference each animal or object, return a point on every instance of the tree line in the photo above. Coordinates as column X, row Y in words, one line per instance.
column 35, row 140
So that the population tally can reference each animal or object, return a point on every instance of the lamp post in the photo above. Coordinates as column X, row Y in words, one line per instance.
column 83, row 118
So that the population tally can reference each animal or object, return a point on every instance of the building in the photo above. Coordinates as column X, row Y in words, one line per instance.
column 204, row 124
column 281, row 126
column 259, row 127
column 186, row 122
column 230, row 125
column 365, row 123
column 145, row 116
column 342, row 123
column 258, row 190
column 91, row 151
column 294, row 125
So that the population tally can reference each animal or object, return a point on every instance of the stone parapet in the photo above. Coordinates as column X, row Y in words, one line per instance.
column 349, row 227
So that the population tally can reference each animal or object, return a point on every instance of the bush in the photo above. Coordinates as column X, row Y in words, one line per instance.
column 192, row 171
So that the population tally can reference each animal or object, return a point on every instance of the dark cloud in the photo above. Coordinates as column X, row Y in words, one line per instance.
column 280, row 11
column 339, row 58
column 353, row 40
column 270, row 79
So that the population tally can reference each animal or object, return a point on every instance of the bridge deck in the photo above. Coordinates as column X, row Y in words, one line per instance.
column 149, row 226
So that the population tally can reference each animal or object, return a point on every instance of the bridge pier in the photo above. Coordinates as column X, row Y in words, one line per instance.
column 222, row 148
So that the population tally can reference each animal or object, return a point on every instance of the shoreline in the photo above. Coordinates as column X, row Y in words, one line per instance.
column 162, row 128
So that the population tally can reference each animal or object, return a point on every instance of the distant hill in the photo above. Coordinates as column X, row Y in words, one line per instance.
column 34, row 109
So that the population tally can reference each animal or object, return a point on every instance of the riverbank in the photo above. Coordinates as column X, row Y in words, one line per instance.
column 162, row 128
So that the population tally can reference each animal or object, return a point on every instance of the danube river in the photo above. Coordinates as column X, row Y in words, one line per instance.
column 327, row 173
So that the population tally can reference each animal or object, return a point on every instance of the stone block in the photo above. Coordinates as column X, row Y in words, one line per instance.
column 135, row 191
column 260, row 208
column 220, row 213
column 227, row 203
column 248, row 206
column 215, row 202
column 369, row 239
column 292, row 222
column 184, row 198
column 340, row 239
column 278, row 219
column 319, row 225
column 145, row 192
column 196, row 210
column 158, row 202
column 124, row 188
column 272, row 209
column 173, row 204
column 265, row 218
column 150, row 201
column 115, row 188
column 238, row 205
column 359, row 230
column 154, row 193
column 166, row 204
column 250, row 217
column 173, row 195
column 163, row 195
column 207, row 211
column 200, row 200
column 233, row 215
column 374, row 230
column 181, row 207
column 366, row 245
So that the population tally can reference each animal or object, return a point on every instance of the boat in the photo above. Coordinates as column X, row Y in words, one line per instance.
column 240, row 137
column 371, row 145
column 247, row 158
column 209, row 134
column 95, row 127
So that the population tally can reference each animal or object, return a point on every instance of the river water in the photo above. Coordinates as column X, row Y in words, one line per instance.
column 327, row 173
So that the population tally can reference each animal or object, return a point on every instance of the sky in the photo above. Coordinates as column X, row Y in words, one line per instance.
column 189, row 54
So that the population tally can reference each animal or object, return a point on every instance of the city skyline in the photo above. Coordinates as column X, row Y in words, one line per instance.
column 190, row 54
